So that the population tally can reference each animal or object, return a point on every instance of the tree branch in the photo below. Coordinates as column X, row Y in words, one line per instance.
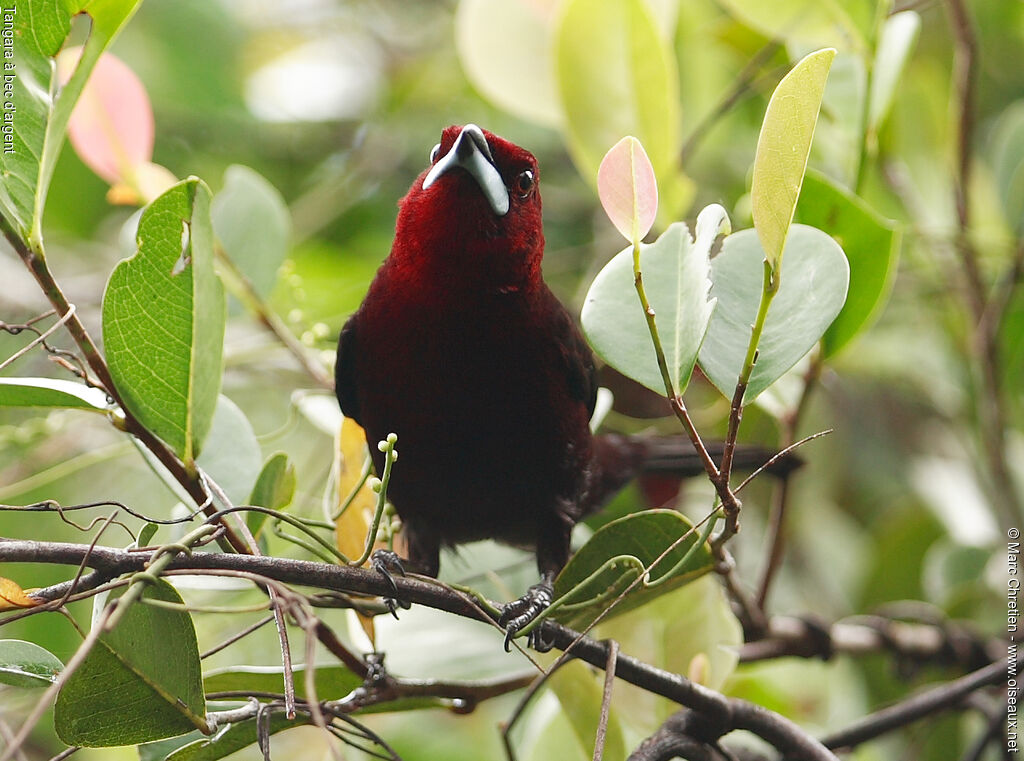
column 725, row 712
column 917, row 707
column 36, row 264
column 948, row 644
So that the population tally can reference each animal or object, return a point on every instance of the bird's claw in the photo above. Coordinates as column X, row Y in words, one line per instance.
column 385, row 562
column 519, row 613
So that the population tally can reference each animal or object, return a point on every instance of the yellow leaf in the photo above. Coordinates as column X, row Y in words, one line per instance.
column 351, row 527
column 13, row 596
column 783, row 148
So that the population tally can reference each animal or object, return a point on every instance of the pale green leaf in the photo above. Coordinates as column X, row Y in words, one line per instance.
column 895, row 43
column 50, row 392
column 505, row 50
column 252, row 222
column 580, row 691
column 163, row 320
column 231, row 454
column 808, row 22
column 783, row 148
column 25, row 664
column 275, row 485
column 616, row 76
column 815, row 277
column 1007, row 152
column 689, row 623
column 676, row 279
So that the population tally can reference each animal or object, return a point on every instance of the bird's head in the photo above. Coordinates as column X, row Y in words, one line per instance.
column 474, row 212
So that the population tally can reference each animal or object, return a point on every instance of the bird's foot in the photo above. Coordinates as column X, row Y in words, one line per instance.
column 519, row 613
column 385, row 562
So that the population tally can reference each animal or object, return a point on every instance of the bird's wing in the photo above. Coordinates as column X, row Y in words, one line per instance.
column 579, row 359
column 345, row 370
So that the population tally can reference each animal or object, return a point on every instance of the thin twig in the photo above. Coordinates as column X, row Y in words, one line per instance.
column 35, row 261
column 237, row 636
column 743, row 86
column 40, row 338
column 990, row 405
column 777, row 519
column 606, row 699
column 917, row 707
column 243, row 288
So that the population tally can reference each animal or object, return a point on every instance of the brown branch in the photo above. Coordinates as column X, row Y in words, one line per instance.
column 744, row 85
column 945, row 644
column 990, row 406
column 775, row 729
column 36, row 264
column 606, row 699
column 780, row 504
column 924, row 704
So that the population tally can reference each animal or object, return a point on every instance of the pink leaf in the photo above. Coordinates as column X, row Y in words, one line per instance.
column 111, row 128
column 628, row 189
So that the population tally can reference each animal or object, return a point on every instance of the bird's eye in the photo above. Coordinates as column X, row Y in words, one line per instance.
column 524, row 183
column 433, row 153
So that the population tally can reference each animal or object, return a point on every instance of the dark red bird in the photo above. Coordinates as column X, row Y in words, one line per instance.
column 462, row 350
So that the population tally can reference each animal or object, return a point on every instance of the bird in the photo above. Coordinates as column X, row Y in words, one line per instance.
column 461, row 349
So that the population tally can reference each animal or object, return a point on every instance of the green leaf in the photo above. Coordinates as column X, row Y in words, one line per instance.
column 25, row 664
column 782, row 150
column 676, row 279
column 1007, row 151
column 895, row 43
column 140, row 682
column 332, row 682
column 871, row 244
column 252, row 222
column 233, row 738
column 231, row 454
column 275, row 485
column 616, row 76
column 815, row 277
column 808, row 22
column 50, row 392
column 41, row 107
column 275, row 488
column 163, row 320
column 158, row 750
column 146, row 534
column 635, row 541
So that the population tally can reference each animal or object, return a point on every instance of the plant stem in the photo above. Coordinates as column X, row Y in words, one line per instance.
column 770, row 286
column 777, row 521
column 242, row 288
column 35, row 260
column 390, row 455
column 675, row 399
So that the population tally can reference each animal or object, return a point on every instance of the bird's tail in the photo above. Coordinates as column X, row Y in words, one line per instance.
column 618, row 459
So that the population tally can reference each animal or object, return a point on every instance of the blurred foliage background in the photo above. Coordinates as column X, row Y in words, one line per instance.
column 337, row 103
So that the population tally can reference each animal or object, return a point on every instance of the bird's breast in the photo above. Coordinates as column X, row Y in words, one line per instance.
column 488, row 429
